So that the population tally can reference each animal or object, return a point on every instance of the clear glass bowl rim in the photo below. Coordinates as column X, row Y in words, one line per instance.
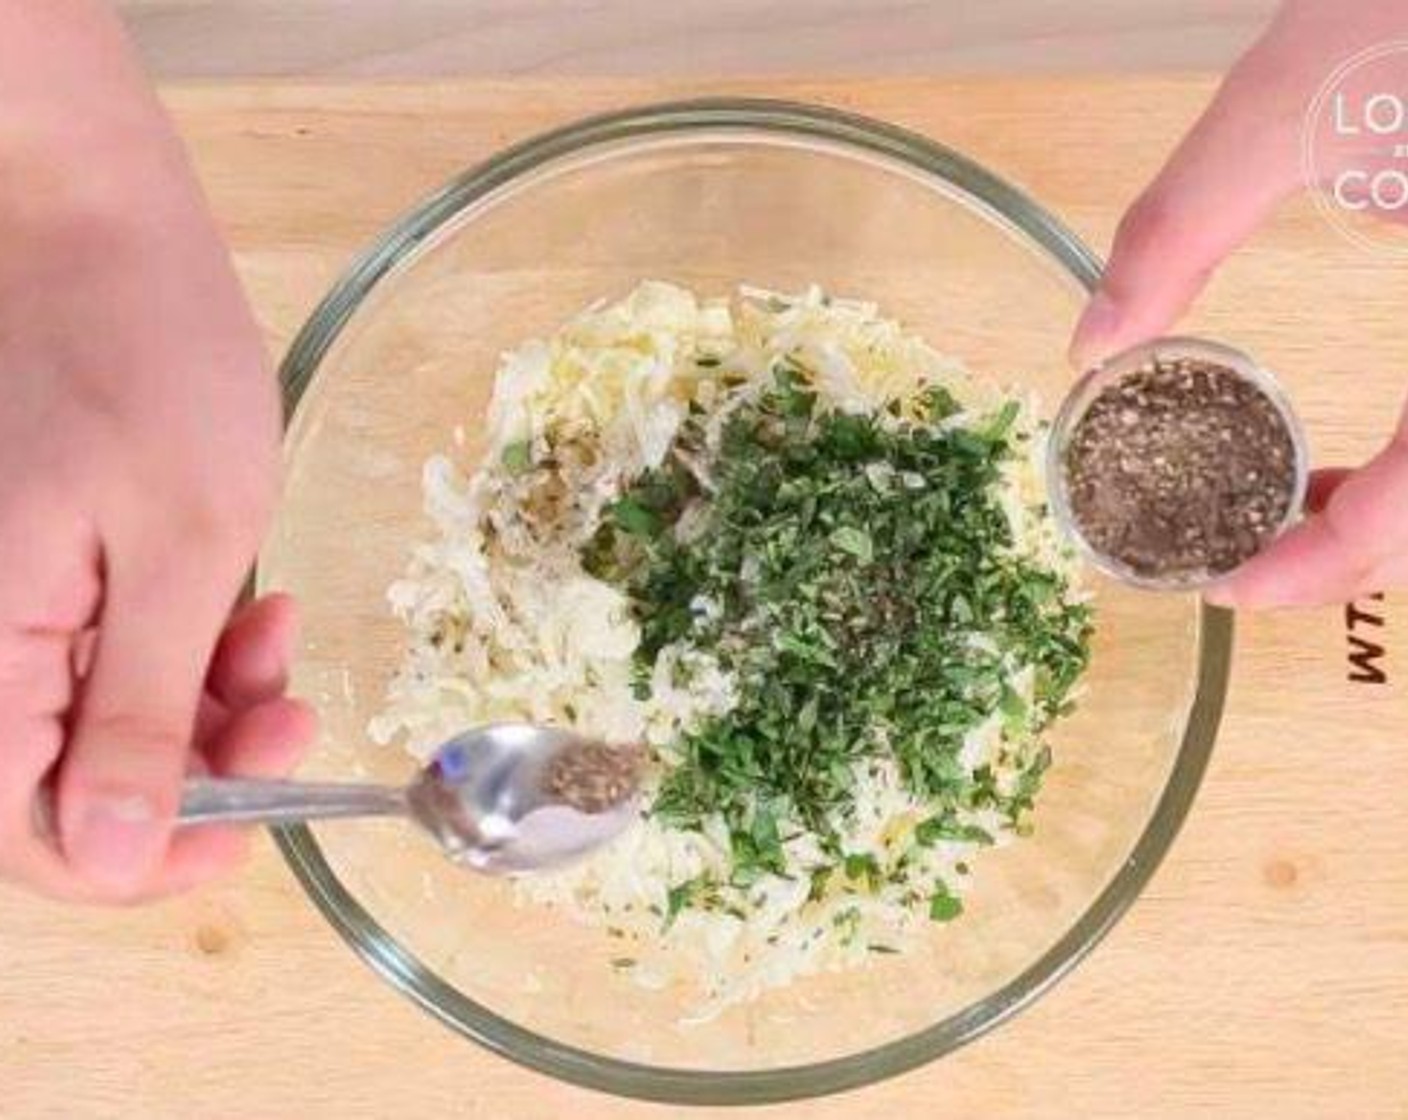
column 796, row 122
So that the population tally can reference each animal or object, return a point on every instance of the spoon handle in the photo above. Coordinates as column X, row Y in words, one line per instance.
column 248, row 801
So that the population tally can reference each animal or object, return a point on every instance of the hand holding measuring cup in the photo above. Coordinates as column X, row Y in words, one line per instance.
column 1240, row 160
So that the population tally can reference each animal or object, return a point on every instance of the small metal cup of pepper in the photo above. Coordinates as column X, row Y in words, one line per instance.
column 1174, row 462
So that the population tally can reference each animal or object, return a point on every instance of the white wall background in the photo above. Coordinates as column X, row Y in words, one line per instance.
column 500, row 38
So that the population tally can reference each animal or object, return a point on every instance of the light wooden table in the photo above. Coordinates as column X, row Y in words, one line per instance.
column 1265, row 971
column 417, row 39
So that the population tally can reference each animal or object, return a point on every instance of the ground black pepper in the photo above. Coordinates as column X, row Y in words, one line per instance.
column 594, row 777
column 1180, row 469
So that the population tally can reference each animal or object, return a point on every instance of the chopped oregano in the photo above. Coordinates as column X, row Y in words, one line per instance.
column 867, row 602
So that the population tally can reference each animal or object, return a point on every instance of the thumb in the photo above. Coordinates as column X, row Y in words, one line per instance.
column 1356, row 544
column 130, row 739
column 1227, row 175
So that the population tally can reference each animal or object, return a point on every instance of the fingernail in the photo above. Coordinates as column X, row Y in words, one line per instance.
column 118, row 842
column 1219, row 595
column 1097, row 325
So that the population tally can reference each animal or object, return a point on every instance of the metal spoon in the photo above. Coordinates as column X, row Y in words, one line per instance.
column 501, row 799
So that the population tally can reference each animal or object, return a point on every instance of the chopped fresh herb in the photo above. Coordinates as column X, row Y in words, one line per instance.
column 847, row 922
column 1011, row 705
column 944, row 905
column 683, row 895
column 632, row 517
column 855, row 541
column 998, row 427
column 844, row 607
column 946, row 826
column 517, row 457
column 863, row 868
column 940, row 404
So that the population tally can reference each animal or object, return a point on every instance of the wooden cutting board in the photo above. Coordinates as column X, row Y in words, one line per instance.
column 1265, row 970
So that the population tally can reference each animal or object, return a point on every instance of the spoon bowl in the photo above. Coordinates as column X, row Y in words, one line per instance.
column 490, row 798
column 503, row 799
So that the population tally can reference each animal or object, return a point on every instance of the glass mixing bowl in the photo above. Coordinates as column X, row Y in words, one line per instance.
column 401, row 354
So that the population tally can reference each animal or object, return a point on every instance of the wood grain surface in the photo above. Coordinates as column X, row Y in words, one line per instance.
column 1264, row 972
column 417, row 39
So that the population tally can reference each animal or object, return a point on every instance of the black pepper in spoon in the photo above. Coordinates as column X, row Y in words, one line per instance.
column 595, row 777
column 1181, row 469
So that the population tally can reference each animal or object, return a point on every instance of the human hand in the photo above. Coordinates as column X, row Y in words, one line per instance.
column 1238, row 162
column 139, row 428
